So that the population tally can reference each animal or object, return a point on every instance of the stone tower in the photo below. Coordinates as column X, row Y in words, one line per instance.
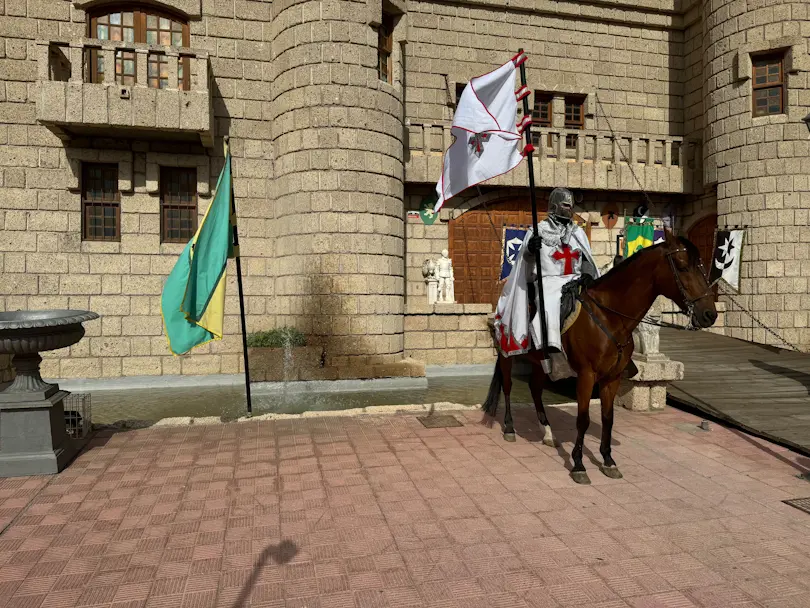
column 759, row 159
column 338, row 203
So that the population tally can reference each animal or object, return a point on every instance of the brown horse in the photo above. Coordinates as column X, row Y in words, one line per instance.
column 600, row 342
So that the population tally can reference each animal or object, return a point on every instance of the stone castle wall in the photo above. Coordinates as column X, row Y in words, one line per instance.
column 573, row 48
column 44, row 262
column 760, row 165
column 338, row 214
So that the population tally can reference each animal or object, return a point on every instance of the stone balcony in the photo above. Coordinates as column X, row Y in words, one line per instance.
column 70, row 104
column 575, row 159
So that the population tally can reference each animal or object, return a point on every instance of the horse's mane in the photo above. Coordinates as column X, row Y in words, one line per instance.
column 626, row 263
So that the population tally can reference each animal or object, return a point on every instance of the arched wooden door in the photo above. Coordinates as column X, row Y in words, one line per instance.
column 702, row 235
column 476, row 241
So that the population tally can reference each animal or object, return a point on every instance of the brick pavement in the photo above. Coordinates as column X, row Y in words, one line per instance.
column 371, row 512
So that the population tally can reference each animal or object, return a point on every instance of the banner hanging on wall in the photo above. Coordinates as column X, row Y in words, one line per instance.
column 728, row 246
column 512, row 240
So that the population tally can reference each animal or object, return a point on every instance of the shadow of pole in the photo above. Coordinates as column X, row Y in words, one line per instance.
column 280, row 554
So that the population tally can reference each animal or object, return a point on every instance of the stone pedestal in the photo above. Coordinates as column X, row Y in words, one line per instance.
column 33, row 438
column 432, row 290
column 647, row 390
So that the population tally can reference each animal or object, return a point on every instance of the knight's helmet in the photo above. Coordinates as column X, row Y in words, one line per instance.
column 561, row 205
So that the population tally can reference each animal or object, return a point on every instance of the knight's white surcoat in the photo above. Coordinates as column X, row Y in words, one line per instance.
column 560, row 265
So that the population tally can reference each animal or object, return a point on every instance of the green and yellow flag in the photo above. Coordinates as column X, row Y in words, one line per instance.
column 193, row 300
column 638, row 234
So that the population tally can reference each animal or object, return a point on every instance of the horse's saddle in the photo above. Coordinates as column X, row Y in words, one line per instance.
column 570, row 306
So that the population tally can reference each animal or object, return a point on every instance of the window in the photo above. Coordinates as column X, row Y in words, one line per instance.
column 178, row 204
column 101, row 203
column 385, row 48
column 574, row 118
column 768, row 85
column 460, row 86
column 541, row 116
column 131, row 25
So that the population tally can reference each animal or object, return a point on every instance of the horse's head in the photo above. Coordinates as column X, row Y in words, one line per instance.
column 684, row 281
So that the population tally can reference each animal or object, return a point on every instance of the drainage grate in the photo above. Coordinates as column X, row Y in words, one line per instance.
column 438, row 422
column 802, row 504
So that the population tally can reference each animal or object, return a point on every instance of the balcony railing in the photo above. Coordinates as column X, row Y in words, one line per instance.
column 131, row 89
column 577, row 159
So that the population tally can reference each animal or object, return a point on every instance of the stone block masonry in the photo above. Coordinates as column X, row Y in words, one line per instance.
column 449, row 334
column 44, row 263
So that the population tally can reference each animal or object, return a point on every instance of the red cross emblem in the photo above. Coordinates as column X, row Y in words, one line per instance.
column 569, row 256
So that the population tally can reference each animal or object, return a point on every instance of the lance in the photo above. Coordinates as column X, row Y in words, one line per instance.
column 528, row 150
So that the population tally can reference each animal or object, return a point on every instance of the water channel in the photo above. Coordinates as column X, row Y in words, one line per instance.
column 109, row 406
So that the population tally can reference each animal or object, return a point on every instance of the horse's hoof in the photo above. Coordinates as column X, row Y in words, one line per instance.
column 581, row 477
column 550, row 443
column 612, row 472
column 510, row 437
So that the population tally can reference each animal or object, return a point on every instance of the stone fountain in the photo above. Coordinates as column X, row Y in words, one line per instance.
column 33, row 437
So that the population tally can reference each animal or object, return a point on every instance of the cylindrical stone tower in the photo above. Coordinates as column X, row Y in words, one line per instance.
column 338, row 218
column 756, row 93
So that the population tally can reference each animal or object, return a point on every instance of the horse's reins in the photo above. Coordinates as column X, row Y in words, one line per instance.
column 687, row 310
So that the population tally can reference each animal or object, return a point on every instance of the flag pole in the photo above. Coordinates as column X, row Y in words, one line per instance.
column 238, row 258
column 528, row 151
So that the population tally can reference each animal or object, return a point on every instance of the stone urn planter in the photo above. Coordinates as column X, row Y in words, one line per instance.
column 33, row 438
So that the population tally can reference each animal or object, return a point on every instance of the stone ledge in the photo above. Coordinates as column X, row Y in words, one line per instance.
column 416, row 308
column 665, row 370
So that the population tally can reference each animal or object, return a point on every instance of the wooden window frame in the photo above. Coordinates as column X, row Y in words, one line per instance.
column 768, row 59
column 570, row 141
column 541, row 99
column 385, row 49
column 87, row 203
column 165, row 179
column 140, row 26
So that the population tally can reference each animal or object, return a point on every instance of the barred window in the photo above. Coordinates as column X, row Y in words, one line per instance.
column 101, row 202
column 768, row 85
column 178, row 204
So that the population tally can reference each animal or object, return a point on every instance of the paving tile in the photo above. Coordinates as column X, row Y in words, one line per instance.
column 380, row 512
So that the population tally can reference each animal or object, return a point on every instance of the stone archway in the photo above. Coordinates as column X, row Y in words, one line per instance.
column 476, row 242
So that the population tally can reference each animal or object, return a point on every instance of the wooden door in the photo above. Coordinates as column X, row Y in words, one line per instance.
column 702, row 235
column 476, row 242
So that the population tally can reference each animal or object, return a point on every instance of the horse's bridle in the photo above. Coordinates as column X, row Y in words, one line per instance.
column 689, row 303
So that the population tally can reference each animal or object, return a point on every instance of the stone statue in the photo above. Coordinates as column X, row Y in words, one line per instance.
column 444, row 274
column 429, row 272
column 647, row 336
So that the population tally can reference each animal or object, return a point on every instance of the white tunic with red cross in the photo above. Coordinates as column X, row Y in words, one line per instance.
column 560, row 264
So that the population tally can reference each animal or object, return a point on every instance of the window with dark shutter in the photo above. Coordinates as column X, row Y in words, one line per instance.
column 101, row 202
column 385, row 48
column 768, row 85
column 178, row 204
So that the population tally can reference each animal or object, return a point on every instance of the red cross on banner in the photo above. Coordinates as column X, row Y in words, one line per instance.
column 569, row 256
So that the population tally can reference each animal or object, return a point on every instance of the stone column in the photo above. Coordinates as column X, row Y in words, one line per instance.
column 339, row 214
column 647, row 389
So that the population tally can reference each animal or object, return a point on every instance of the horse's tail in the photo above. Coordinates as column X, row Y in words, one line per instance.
column 490, row 405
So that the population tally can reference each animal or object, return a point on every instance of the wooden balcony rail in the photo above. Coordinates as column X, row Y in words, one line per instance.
column 602, row 160
column 73, row 61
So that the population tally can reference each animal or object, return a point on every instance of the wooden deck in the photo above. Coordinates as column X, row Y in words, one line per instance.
column 763, row 389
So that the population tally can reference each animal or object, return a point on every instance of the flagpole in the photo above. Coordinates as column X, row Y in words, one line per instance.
column 528, row 150
column 238, row 258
